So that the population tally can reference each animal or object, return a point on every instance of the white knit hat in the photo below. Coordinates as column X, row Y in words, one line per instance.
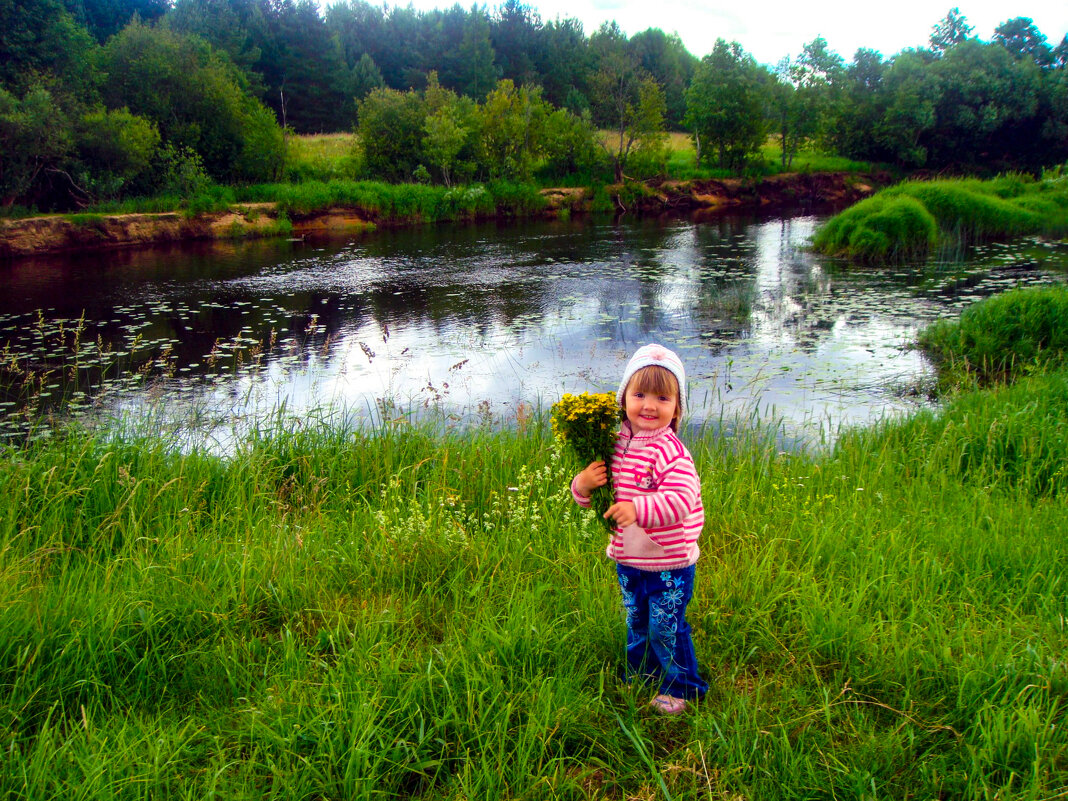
column 659, row 356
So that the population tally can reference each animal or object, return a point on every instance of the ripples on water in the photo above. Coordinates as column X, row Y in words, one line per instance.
column 476, row 322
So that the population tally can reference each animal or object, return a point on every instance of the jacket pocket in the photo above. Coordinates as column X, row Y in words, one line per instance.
column 636, row 543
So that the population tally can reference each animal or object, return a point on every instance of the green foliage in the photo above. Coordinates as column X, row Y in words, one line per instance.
column 34, row 137
column 116, row 150
column 451, row 133
column 629, row 102
column 1002, row 337
column 879, row 229
column 512, row 122
column 197, row 99
column 950, row 31
column 906, row 221
column 571, row 149
column 725, row 106
column 180, row 172
column 43, row 47
column 390, row 129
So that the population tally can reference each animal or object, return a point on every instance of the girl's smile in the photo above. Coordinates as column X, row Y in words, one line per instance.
column 647, row 411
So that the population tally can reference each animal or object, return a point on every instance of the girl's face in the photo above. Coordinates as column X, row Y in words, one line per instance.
column 650, row 405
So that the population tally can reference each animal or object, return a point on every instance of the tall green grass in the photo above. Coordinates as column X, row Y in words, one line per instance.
column 912, row 219
column 399, row 202
column 404, row 611
column 1002, row 337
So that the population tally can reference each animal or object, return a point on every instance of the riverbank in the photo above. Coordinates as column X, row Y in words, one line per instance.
column 77, row 232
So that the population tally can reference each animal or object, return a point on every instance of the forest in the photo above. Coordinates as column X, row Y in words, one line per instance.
column 102, row 100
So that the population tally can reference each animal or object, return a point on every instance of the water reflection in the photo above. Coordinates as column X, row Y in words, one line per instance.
column 470, row 320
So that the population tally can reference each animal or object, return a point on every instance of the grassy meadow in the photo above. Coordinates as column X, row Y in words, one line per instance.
column 681, row 161
column 409, row 611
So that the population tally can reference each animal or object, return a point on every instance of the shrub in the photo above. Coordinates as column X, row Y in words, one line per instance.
column 881, row 228
column 1004, row 336
column 116, row 148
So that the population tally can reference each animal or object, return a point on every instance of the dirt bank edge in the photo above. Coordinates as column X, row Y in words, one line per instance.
column 77, row 232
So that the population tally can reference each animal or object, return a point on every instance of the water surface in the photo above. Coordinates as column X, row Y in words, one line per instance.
column 484, row 322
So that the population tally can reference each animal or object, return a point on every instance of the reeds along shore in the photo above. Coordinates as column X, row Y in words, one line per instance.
column 401, row 611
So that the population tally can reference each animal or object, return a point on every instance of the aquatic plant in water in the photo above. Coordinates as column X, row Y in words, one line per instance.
column 587, row 423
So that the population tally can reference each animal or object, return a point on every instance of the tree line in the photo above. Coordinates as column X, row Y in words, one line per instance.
column 103, row 99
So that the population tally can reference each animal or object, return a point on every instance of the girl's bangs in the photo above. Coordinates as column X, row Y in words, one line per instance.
column 654, row 380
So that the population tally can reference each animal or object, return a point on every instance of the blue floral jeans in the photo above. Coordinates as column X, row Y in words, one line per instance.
column 659, row 645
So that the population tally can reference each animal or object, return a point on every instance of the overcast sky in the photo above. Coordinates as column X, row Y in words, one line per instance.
column 771, row 29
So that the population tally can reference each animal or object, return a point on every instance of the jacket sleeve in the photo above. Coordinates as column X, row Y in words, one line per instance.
column 581, row 500
column 677, row 494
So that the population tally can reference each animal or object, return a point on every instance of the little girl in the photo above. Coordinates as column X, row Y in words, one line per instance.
column 657, row 517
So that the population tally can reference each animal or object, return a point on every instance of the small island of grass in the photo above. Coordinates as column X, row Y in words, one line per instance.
column 915, row 219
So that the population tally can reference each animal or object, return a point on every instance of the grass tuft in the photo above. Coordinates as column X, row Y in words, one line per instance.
column 1002, row 337
column 895, row 224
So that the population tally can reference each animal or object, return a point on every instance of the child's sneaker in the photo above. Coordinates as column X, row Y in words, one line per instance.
column 668, row 705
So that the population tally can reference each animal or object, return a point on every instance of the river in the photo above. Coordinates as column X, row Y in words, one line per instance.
column 472, row 323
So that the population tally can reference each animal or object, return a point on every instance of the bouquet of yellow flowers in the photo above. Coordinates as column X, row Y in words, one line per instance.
column 587, row 423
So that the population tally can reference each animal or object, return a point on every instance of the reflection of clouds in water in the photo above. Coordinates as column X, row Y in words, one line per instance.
column 509, row 315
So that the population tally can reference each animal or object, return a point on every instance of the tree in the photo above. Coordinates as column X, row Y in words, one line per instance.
column 450, row 129
column 391, row 129
column 862, row 107
column 1059, row 54
column 1021, row 38
column 911, row 97
column 305, row 75
column 566, row 63
column 950, row 31
column 197, row 99
column 475, row 70
column 43, row 46
column 516, row 33
column 784, row 111
column 365, row 78
column 512, row 123
column 571, row 145
column 725, row 106
column 105, row 18
column 628, row 100
column 988, row 108
column 236, row 27
column 805, row 99
column 34, row 137
column 115, row 150
column 668, row 61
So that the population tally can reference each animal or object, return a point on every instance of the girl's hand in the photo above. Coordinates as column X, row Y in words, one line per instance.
column 595, row 475
column 622, row 514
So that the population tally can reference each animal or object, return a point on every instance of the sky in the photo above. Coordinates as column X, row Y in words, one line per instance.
column 771, row 29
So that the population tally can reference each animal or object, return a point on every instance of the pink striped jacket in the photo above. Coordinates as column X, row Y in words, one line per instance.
column 656, row 472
